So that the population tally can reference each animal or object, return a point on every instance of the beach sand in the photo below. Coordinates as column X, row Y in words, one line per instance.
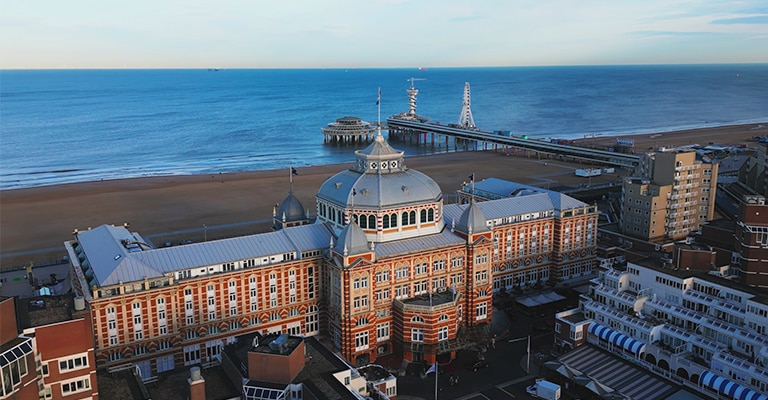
column 34, row 222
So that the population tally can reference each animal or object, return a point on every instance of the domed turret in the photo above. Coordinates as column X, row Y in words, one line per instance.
column 291, row 212
column 351, row 241
column 472, row 220
column 386, row 199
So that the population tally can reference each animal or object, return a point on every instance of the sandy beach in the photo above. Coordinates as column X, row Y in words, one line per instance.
column 34, row 222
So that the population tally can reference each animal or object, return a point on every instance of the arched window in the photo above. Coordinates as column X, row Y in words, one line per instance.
column 363, row 221
column 385, row 221
column 312, row 309
column 404, row 220
column 393, row 220
column 354, row 217
column 362, row 321
column 412, row 216
column 442, row 318
column 431, row 215
column 371, row 222
column 417, row 318
column 423, row 216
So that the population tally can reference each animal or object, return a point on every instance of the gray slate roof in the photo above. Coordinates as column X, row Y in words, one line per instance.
column 445, row 238
column 473, row 218
column 503, row 188
column 374, row 191
column 352, row 238
column 544, row 200
column 113, row 262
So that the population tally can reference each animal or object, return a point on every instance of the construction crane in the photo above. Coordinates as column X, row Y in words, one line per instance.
column 415, row 79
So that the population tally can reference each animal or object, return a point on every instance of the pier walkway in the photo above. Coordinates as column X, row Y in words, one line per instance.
column 412, row 128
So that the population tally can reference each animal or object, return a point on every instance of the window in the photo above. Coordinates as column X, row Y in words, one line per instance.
column 482, row 311
column 75, row 386
column 481, row 276
column 417, row 334
column 192, row 354
column 481, row 258
column 382, row 331
column 73, row 363
column 442, row 333
column 382, row 276
column 361, row 341
column 312, row 320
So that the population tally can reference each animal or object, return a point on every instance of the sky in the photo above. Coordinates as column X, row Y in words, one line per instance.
column 44, row 34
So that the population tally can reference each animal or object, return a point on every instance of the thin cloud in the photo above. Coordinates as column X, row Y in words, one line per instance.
column 674, row 33
column 756, row 19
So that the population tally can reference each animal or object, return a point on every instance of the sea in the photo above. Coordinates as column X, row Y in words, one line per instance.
column 66, row 126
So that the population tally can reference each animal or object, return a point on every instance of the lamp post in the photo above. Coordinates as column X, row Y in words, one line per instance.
column 528, row 351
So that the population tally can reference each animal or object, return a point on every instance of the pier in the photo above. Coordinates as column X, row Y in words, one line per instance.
column 464, row 135
column 463, row 138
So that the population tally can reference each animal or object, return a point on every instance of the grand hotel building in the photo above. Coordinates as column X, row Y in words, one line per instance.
column 386, row 268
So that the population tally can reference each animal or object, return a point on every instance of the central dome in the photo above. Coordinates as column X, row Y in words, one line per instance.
column 381, row 188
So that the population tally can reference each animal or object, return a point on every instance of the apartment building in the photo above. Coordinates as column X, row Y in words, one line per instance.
column 750, row 237
column 671, row 195
column 699, row 330
column 47, row 349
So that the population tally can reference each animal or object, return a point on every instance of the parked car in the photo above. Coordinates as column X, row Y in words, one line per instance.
column 479, row 364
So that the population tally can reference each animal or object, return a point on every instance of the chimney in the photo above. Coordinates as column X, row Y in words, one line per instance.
column 196, row 384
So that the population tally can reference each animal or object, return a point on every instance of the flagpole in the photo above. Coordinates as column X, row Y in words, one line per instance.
column 436, row 368
column 378, row 105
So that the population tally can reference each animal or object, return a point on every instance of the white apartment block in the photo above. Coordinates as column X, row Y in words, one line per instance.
column 702, row 331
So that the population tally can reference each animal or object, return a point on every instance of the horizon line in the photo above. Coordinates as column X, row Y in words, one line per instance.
column 419, row 68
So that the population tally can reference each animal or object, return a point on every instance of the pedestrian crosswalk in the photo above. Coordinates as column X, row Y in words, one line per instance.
column 616, row 374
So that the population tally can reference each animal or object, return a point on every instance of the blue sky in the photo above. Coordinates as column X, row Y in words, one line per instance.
column 378, row 33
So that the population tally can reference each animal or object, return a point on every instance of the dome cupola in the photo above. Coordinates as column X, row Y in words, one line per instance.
column 387, row 200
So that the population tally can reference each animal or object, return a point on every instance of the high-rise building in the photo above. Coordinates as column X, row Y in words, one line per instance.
column 386, row 268
column 752, row 172
column 671, row 195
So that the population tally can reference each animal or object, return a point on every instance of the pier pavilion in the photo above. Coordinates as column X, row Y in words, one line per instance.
column 349, row 130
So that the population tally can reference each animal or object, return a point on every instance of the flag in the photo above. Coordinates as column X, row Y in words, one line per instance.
column 433, row 368
column 378, row 98
column 293, row 171
column 354, row 192
column 471, row 177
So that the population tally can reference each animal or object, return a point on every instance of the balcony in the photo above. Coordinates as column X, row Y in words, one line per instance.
column 741, row 366
column 684, row 195
column 622, row 297
column 643, row 324
column 688, row 167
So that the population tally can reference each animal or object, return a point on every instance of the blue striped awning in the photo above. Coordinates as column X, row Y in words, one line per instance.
column 619, row 339
column 729, row 388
